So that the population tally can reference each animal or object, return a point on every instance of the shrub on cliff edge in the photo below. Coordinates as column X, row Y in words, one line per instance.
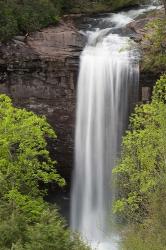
column 26, row 16
column 154, row 46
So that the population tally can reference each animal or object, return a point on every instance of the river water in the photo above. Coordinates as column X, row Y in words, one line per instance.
column 107, row 91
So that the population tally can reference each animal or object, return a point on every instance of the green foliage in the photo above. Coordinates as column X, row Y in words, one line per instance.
column 24, row 159
column 87, row 6
column 159, row 92
column 142, row 164
column 154, row 47
column 122, row 3
column 27, row 222
column 26, row 16
column 50, row 233
column 151, row 234
column 47, row 232
column 8, row 23
column 35, row 14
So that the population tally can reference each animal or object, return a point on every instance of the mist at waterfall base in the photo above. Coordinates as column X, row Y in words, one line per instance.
column 107, row 91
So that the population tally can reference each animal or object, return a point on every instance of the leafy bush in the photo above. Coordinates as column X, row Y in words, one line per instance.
column 8, row 23
column 24, row 159
column 122, row 3
column 88, row 6
column 154, row 46
column 27, row 221
column 151, row 233
column 141, row 176
column 142, row 164
column 26, row 16
column 48, row 232
column 34, row 14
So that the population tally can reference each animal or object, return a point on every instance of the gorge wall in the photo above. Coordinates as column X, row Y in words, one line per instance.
column 39, row 72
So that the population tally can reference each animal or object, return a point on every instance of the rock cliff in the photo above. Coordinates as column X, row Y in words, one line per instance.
column 39, row 72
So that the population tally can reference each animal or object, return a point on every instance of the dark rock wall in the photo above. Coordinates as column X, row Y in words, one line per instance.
column 40, row 74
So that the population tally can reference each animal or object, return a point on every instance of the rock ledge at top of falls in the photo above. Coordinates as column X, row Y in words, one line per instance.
column 138, row 32
column 136, row 29
column 61, row 41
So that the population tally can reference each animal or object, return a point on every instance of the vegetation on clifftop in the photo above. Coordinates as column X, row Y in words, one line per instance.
column 154, row 46
column 21, row 17
column 24, row 16
column 88, row 6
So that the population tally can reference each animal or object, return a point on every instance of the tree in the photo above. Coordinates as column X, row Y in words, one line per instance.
column 154, row 46
column 24, row 158
column 143, row 163
column 27, row 222
column 21, row 17
column 47, row 232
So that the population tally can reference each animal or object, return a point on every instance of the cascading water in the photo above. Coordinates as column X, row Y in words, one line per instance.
column 107, row 87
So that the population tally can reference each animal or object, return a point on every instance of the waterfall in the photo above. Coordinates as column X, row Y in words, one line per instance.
column 107, row 89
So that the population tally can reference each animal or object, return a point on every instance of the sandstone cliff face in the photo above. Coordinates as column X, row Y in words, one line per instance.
column 39, row 73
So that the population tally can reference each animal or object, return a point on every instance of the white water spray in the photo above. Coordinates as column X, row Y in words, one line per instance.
column 107, row 88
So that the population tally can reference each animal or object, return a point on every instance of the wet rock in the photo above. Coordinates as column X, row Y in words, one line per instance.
column 146, row 94
column 20, row 38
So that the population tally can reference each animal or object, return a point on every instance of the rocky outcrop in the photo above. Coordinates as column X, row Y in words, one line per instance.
column 137, row 31
column 39, row 72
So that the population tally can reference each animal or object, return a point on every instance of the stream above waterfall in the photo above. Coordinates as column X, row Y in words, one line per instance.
column 107, row 92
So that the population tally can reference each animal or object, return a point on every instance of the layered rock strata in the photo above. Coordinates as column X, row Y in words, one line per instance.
column 39, row 72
